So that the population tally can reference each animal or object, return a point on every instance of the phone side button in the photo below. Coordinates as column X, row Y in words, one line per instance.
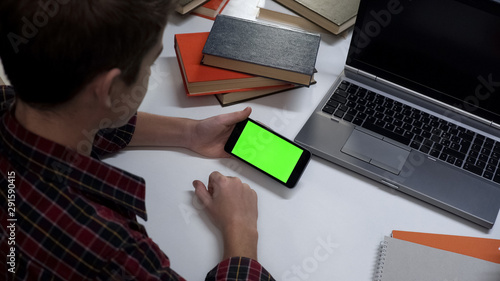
column 391, row 185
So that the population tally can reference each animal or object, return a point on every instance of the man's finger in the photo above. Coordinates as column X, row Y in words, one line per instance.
column 202, row 193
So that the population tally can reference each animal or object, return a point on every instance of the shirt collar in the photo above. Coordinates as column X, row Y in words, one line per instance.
column 69, row 169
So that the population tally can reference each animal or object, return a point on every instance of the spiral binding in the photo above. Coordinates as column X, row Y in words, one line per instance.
column 379, row 270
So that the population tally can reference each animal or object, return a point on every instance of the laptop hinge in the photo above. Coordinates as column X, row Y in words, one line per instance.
column 495, row 125
column 361, row 72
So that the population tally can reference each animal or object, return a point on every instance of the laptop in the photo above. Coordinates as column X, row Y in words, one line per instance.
column 417, row 107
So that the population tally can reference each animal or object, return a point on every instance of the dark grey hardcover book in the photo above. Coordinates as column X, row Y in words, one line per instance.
column 278, row 52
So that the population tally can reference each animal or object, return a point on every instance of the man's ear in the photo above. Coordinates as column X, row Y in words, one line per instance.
column 103, row 86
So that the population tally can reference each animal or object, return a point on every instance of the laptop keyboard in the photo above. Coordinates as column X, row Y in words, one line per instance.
column 419, row 130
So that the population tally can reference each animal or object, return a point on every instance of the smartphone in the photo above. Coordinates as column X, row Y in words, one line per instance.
column 269, row 152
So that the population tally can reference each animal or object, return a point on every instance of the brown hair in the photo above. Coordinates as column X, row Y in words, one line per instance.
column 51, row 49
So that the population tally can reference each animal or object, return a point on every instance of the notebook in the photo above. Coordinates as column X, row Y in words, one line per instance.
column 417, row 107
column 403, row 260
column 482, row 248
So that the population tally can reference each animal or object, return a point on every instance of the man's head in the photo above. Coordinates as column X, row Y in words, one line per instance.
column 52, row 49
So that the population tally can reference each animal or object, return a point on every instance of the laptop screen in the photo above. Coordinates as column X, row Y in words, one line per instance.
column 448, row 50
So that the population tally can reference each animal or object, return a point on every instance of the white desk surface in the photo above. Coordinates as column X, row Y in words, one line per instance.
column 328, row 228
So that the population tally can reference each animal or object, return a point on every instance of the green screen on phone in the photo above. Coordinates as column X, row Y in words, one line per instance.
column 267, row 151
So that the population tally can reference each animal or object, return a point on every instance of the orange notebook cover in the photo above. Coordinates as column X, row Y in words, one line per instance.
column 481, row 248
column 189, row 48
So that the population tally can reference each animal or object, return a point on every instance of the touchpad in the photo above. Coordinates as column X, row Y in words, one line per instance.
column 376, row 151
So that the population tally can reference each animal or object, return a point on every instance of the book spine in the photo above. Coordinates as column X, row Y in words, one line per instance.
column 379, row 269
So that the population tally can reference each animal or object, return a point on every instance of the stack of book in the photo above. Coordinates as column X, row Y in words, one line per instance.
column 427, row 256
column 204, row 8
column 241, row 59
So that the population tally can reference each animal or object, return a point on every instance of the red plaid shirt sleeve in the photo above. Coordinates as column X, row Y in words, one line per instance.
column 75, row 216
column 109, row 141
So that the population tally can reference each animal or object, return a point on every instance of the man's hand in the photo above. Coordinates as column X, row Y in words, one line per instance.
column 232, row 205
column 209, row 136
column 206, row 137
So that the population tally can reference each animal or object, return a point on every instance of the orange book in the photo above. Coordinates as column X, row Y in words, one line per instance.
column 481, row 248
column 201, row 79
column 211, row 9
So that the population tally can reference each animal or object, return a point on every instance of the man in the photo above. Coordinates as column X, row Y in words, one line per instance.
column 79, row 71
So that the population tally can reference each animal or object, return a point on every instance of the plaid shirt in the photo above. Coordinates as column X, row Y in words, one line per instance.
column 66, row 216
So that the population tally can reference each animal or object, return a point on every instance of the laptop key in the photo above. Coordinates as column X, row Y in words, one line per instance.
column 493, row 162
column 357, row 121
column 362, row 92
column 348, row 117
column 443, row 156
column 488, row 143
column 333, row 103
column 341, row 93
column 435, row 138
column 399, row 131
column 473, row 168
column 488, row 175
column 496, row 148
column 379, row 123
column 471, row 160
column 362, row 116
column 428, row 143
column 415, row 144
column 483, row 157
column 386, row 133
column 408, row 135
column 369, row 111
column 465, row 146
column 496, row 178
column 344, row 85
column 339, row 113
column 389, row 127
column 434, row 153
column 490, row 168
column 339, row 98
column 352, row 90
column 455, row 146
column 495, row 155
column 454, row 153
column 451, row 159
column 425, row 149
column 328, row 109
column 426, row 134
